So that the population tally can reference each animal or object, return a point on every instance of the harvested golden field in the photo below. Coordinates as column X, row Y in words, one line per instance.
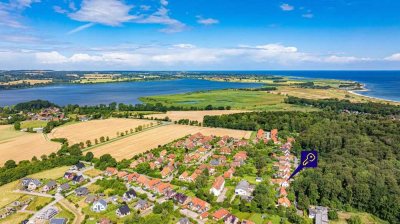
column 128, row 147
column 30, row 81
column 193, row 115
column 91, row 130
column 23, row 146
column 51, row 174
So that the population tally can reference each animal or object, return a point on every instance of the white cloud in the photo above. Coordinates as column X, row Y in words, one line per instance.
column 308, row 15
column 286, row 7
column 207, row 21
column 145, row 7
column 52, row 57
column 164, row 2
column 106, row 12
column 60, row 10
column 187, row 46
column 10, row 13
column 80, row 28
column 393, row 57
column 161, row 17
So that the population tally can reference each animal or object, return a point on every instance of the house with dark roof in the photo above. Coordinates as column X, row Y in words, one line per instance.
column 180, row 198
column 123, row 211
column 82, row 191
column 319, row 213
column 63, row 187
column 78, row 179
column 78, row 166
column 49, row 186
column 58, row 221
column 184, row 220
column 142, row 205
column 129, row 195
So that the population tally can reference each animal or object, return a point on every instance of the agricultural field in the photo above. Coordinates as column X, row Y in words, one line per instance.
column 12, row 143
column 33, row 124
column 193, row 115
column 30, row 81
column 91, row 130
column 7, row 195
column 51, row 174
column 366, row 218
column 128, row 147
column 236, row 99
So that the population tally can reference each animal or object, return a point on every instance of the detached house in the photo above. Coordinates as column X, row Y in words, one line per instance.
column 198, row 205
column 218, row 186
column 110, row 171
column 220, row 214
column 50, row 186
column 99, row 206
column 129, row 195
column 123, row 211
column 78, row 166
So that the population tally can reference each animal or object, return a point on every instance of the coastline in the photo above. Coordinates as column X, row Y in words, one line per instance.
column 355, row 92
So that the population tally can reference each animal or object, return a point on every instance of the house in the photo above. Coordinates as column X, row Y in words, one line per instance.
column 123, row 211
column 243, row 188
column 99, row 206
column 218, row 186
column 231, row 219
column 248, row 222
column 184, row 176
column 129, row 195
column 274, row 135
column 133, row 176
column 33, row 184
column 63, row 187
column 110, row 171
column 166, row 171
column 229, row 173
column 284, row 202
column 163, row 153
column 204, row 215
column 69, row 175
column 82, row 191
column 142, row 205
column 58, row 221
column 153, row 183
column 162, row 188
column 225, row 151
column 319, row 213
column 180, row 198
column 220, row 214
column 282, row 192
column 104, row 221
column 122, row 174
column 240, row 157
column 198, row 205
column 78, row 179
column 50, row 186
column 142, row 180
column 78, row 166
column 90, row 199
column 48, row 214
column 184, row 221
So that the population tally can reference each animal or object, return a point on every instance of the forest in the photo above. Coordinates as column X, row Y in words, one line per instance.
column 341, row 105
column 359, row 164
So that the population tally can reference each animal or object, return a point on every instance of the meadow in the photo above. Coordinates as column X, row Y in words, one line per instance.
column 192, row 115
column 236, row 99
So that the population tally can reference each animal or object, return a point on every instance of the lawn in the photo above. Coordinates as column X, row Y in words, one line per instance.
column 256, row 217
column 236, row 99
column 93, row 172
column 6, row 194
column 51, row 174
column 64, row 213
column 33, row 124
column 366, row 218
column 38, row 203
column 15, row 218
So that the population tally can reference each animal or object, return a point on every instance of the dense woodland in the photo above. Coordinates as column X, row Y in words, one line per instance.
column 359, row 163
column 341, row 105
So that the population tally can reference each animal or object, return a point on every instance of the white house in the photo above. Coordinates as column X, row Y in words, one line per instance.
column 243, row 188
column 218, row 186
column 99, row 206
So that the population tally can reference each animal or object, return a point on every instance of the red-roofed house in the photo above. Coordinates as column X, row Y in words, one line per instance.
column 274, row 135
column 284, row 202
column 229, row 173
column 166, row 171
column 198, row 205
column 162, row 188
column 110, row 171
column 218, row 186
column 220, row 214
column 143, row 180
column 122, row 174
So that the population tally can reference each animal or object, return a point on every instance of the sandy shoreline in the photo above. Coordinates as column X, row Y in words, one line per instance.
column 370, row 97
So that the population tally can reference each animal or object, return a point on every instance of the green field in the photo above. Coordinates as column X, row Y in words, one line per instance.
column 237, row 99
column 33, row 124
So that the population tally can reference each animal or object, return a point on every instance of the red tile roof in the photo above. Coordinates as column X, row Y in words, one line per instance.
column 220, row 213
column 219, row 181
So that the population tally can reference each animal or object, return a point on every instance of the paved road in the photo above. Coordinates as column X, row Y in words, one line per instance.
column 192, row 215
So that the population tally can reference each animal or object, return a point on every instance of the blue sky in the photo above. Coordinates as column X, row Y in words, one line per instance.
column 199, row 34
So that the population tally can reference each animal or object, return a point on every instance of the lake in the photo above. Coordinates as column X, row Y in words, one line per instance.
column 121, row 92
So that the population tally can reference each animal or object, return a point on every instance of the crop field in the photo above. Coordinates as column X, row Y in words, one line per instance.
column 128, row 147
column 193, row 115
column 19, row 146
column 236, row 99
column 51, row 174
column 33, row 124
column 91, row 130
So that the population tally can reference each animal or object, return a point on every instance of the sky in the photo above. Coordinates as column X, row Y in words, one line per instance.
column 200, row 34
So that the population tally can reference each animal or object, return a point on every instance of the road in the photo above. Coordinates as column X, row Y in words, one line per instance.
column 192, row 215
column 221, row 197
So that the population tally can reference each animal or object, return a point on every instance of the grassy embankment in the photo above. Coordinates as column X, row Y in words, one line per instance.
column 237, row 99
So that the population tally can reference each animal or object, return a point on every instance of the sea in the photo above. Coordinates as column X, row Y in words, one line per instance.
column 379, row 84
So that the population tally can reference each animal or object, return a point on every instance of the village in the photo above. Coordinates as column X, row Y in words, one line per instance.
column 199, row 176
